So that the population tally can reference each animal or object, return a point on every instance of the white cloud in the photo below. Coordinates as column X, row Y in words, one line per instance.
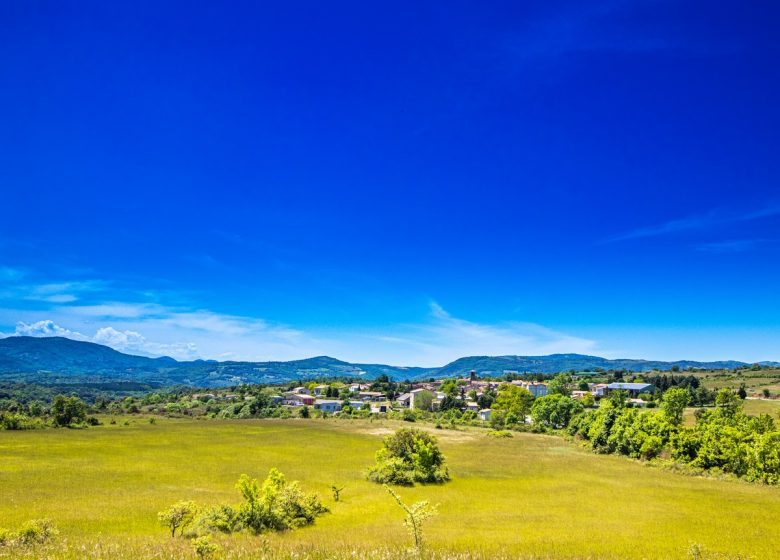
column 127, row 341
column 184, row 334
column 45, row 328
column 444, row 338
column 697, row 222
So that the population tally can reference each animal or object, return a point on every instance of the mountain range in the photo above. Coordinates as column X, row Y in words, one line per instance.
column 62, row 360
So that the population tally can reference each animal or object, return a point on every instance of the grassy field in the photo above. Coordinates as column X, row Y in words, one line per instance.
column 531, row 496
column 751, row 406
column 754, row 381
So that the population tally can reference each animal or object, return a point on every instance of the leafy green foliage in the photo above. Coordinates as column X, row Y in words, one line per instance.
column 17, row 421
column 513, row 400
column 68, row 410
column 500, row 434
column 674, row 403
column 178, row 516
column 203, row 547
column 409, row 456
column 555, row 410
column 276, row 505
column 724, row 439
column 37, row 531
column 559, row 385
column 416, row 515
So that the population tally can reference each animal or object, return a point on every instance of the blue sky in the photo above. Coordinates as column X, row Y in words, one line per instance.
column 404, row 184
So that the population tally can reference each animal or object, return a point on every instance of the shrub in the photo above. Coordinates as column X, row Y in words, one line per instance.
column 409, row 456
column 15, row 421
column 203, row 546
column 276, row 504
column 555, row 411
column 500, row 434
column 37, row 531
column 221, row 519
column 68, row 410
column 178, row 516
column 5, row 536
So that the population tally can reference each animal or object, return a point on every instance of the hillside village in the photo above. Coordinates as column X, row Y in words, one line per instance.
column 465, row 394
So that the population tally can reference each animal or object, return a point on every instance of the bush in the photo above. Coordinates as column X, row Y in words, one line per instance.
column 409, row 456
column 68, row 410
column 15, row 421
column 218, row 519
column 37, row 531
column 555, row 411
column 500, row 434
column 179, row 516
column 203, row 546
column 276, row 504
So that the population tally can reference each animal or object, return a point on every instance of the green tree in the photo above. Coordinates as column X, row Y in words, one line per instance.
column 423, row 400
column 674, row 403
column 555, row 410
column 559, row 385
column 513, row 399
column 68, row 410
column 178, row 516
column 727, row 401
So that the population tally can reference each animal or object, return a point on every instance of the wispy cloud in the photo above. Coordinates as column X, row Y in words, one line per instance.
column 8, row 273
column 155, row 330
column 732, row 246
column 695, row 223
column 443, row 338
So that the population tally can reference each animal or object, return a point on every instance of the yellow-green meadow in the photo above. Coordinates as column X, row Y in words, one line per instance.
column 529, row 496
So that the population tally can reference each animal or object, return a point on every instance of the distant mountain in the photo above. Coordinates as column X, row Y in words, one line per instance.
column 61, row 360
column 498, row 365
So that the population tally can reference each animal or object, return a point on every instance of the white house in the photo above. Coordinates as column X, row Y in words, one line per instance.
column 484, row 414
column 292, row 399
column 414, row 393
column 320, row 390
column 327, row 405
column 536, row 388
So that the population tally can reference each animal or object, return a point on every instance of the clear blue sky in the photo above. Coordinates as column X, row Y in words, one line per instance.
column 405, row 183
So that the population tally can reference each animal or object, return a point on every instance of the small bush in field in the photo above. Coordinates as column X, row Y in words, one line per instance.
column 203, row 547
column 178, row 516
column 500, row 434
column 37, row 531
column 409, row 456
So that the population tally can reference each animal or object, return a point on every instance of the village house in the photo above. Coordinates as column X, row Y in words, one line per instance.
column 633, row 389
column 484, row 414
column 357, row 387
column 598, row 389
column 297, row 399
column 536, row 388
column 371, row 395
column 327, row 405
column 320, row 390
